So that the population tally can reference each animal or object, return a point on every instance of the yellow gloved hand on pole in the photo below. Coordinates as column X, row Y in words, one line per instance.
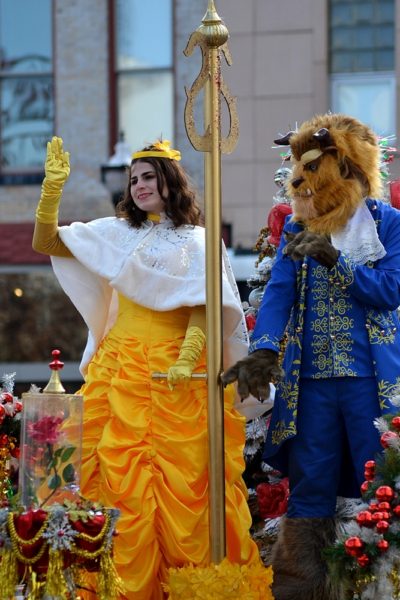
column 191, row 349
column 57, row 171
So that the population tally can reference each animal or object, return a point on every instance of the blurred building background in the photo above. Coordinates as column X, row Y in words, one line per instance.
column 98, row 72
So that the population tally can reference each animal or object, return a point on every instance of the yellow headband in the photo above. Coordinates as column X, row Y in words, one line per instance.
column 161, row 150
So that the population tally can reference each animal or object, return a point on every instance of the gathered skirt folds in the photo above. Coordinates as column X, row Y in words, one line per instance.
column 145, row 452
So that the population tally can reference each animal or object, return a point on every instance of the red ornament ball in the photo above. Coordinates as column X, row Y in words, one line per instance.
column 384, row 493
column 369, row 475
column 396, row 510
column 370, row 464
column 386, row 436
column 382, row 526
column 363, row 560
column 382, row 545
column 7, row 397
column 373, row 507
column 384, row 506
column 364, row 518
column 15, row 452
column 377, row 516
column 364, row 487
column 354, row 546
column 396, row 423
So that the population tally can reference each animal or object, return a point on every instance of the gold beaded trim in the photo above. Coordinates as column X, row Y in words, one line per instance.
column 14, row 535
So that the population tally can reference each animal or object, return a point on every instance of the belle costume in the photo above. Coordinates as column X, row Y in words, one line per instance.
column 144, row 445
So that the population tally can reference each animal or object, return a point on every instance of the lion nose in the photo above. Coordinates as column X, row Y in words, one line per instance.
column 296, row 182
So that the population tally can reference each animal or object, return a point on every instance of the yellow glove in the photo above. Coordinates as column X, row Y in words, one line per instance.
column 191, row 349
column 57, row 171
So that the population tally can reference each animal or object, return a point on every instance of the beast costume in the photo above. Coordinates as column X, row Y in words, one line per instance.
column 330, row 308
column 341, row 328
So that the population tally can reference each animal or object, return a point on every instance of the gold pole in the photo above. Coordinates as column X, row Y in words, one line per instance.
column 211, row 36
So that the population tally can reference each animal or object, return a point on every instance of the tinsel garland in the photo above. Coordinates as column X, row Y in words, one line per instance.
column 223, row 581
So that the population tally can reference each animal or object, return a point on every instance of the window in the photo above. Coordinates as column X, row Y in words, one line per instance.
column 361, row 53
column 144, row 62
column 26, row 83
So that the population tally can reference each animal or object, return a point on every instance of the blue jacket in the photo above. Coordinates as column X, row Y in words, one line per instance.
column 337, row 322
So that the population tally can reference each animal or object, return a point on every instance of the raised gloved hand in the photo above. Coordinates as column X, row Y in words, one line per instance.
column 57, row 171
column 315, row 245
column 254, row 374
column 191, row 349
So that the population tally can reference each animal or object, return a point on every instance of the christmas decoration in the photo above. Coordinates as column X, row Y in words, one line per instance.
column 49, row 551
column 10, row 427
column 387, row 156
column 366, row 557
column 272, row 498
column 268, row 492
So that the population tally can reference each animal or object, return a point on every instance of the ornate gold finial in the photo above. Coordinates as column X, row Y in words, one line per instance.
column 54, row 385
column 213, row 29
column 211, row 37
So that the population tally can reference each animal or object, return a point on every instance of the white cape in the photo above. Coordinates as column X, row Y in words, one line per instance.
column 157, row 266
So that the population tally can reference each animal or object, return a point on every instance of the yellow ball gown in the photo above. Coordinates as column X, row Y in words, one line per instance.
column 145, row 452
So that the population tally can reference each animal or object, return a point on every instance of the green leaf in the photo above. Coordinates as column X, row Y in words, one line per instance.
column 54, row 482
column 69, row 473
column 67, row 453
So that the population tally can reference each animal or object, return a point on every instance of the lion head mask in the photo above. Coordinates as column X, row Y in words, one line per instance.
column 336, row 164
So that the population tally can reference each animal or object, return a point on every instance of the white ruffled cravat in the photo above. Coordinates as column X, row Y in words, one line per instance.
column 359, row 240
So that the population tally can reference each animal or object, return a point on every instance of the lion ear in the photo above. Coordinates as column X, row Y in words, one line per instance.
column 349, row 170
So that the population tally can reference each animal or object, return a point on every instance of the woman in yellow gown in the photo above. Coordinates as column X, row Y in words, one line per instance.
column 138, row 280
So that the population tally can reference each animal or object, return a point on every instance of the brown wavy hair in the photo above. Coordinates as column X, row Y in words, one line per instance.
column 180, row 203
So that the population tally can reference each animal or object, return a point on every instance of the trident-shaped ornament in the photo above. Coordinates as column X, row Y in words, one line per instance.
column 212, row 36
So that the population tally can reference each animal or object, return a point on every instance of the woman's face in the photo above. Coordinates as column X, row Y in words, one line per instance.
column 144, row 189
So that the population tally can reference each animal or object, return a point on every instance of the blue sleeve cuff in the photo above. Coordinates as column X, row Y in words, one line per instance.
column 266, row 342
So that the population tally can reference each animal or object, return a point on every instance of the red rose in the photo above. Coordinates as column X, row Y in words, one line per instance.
column 272, row 498
column 46, row 430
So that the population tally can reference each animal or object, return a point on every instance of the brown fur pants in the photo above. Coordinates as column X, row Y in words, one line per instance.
column 300, row 571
